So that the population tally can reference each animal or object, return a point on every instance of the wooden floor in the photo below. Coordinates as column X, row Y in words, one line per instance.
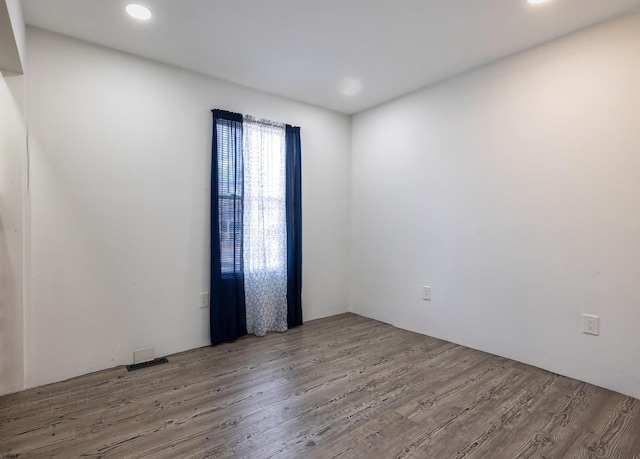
column 344, row 386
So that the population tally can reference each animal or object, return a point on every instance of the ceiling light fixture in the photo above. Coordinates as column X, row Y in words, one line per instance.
column 350, row 87
column 535, row 2
column 138, row 11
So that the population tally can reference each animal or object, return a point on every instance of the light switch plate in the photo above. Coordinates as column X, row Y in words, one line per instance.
column 204, row 300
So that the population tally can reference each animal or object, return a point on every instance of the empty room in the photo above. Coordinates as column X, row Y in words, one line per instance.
column 320, row 228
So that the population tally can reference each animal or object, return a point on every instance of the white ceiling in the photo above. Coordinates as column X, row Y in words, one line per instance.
column 305, row 49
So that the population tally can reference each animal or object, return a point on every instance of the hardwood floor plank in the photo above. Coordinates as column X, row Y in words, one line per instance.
column 339, row 387
column 609, row 438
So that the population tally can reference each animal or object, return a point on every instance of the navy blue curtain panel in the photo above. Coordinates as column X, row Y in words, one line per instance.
column 294, row 227
column 227, row 310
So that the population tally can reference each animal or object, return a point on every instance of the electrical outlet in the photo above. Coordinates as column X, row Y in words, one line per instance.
column 426, row 293
column 204, row 300
column 591, row 324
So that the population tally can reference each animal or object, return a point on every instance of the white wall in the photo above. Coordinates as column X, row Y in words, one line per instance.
column 14, row 8
column 514, row 192
column 12, row 157
column 11, row 37
column 12, row 161
column 120, row 166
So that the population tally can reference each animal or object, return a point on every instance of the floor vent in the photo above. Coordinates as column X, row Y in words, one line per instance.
column 150, row 363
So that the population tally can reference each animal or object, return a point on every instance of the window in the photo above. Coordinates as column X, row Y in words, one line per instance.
column 265, row 211
column 252, row 197
column 230, row 193
column 256, row 248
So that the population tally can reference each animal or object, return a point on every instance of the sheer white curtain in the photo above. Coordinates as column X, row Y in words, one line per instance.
column 264, row 233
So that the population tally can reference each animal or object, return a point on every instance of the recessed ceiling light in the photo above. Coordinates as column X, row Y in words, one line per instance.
column 350, row 87
column 138, row 11
column 535, row 2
